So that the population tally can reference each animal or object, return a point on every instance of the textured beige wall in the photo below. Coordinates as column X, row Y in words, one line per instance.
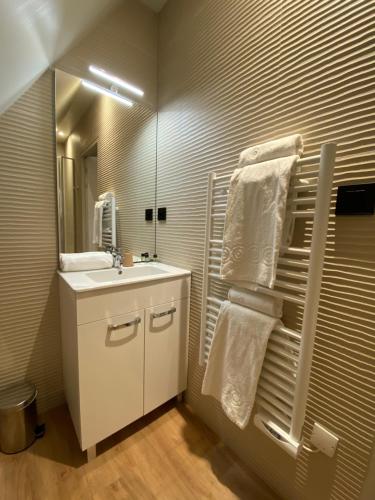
column 29, row 312
column 126, row 140
column 123, row 43
column 369, row 484
column 29, row 315
column 234, row 73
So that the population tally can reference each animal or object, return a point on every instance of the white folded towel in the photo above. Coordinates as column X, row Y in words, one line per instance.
column 287, row 146
column 236, row 359
column 108, row 195
column 254, row 222
column 85, row 261
column 256, row 301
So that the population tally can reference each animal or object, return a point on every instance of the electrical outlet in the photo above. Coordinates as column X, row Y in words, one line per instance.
column 149, row 214
column 162, row 213
column 324, row 440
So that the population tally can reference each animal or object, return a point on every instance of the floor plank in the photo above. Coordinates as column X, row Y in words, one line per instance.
column 167, row 455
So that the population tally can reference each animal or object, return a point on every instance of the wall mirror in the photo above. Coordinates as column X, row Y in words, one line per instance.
column 104, row 145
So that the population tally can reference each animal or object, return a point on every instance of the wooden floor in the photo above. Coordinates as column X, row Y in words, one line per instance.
column 168, row 454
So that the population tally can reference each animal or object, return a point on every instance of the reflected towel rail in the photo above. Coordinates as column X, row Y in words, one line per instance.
column 109, row 223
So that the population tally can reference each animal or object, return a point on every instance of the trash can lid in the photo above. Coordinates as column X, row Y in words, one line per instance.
column 17, row 396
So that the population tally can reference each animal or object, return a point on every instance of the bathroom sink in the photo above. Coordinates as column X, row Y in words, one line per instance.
column 128, row 272
column 84, row 281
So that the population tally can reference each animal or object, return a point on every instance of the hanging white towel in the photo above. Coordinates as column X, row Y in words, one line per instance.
column 236, row 359
column 256, row 301
column 85, row 261
column 254, row 222
column 287, row 146
column 279, row 148
column 97, row 232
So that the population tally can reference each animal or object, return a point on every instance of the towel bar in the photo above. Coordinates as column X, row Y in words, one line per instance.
column 109, row 223
column 283, row 385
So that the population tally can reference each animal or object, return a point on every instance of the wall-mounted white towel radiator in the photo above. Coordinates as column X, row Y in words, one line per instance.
column 109, row 223
column 284, row 382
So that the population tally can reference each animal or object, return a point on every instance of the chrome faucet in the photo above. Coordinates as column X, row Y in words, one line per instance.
column 118, row 263
column 117, row 257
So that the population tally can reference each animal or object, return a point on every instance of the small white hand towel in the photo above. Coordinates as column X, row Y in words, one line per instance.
column 236, row 359
column 254, row 222
column 97, row 232
column 108, row 195
column 256, row 301
column 85, row 261
column 287, row 146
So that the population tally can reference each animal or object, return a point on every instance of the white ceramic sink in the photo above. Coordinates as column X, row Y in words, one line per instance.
column 127, row 272
column 83, row 281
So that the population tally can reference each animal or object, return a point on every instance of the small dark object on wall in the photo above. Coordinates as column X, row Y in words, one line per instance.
column 355, row 199
column 162, row 213
column 149, row 214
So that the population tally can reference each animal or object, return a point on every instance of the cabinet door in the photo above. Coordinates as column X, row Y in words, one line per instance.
column 166, row 329
column 111, row 366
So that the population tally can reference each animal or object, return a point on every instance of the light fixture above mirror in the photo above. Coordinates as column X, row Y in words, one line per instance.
column 116, row 80
column 108, row 92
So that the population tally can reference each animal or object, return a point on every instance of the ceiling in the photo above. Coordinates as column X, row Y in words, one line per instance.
column 66, row 88
column 155, row 5
column 72, row 101
column 35, row 33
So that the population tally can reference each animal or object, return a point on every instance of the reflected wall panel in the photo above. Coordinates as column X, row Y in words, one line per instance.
column 126, row 148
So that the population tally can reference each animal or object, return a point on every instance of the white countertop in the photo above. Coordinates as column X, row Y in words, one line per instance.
column 84, row 281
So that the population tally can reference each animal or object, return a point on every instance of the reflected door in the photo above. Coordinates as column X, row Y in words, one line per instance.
column 66, row 204
column 90, row 185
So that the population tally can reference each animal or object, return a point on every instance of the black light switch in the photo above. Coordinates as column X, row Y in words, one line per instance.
column 149, row 214
column 355, row 199
column 162, row 213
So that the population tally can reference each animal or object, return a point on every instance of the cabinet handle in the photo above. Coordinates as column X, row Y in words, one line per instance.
column 164, row 313
column 135, row 321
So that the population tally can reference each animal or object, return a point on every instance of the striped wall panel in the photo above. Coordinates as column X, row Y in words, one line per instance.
column 125, row 41
column 237, row 72
column 126, row 139
column 29, row 325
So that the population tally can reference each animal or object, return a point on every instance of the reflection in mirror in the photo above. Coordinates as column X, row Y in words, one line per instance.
column 106, row 169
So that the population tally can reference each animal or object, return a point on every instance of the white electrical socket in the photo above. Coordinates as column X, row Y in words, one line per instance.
column 324, row 440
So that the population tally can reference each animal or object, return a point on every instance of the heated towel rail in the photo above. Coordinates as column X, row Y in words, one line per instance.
column 109, row 223
column 284, row 382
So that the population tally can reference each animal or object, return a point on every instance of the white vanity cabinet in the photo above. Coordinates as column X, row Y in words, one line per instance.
column 111, row 366
column 124, row 352
column 165, row 352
